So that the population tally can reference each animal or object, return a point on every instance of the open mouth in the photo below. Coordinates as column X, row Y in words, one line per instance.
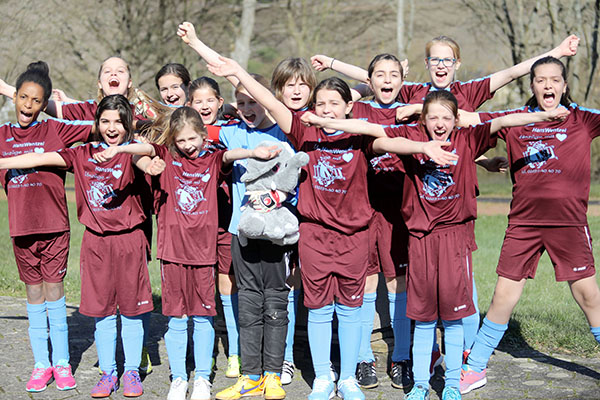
column 387, row 90
column 549, row 97
column 250, row 117
column 113, row 82
column 172, row 99
column 112, row 138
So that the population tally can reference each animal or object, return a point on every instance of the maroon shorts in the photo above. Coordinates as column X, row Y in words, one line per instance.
column 42, row 258
column 569, row 248
column 114, row 273
column 333, row 265
column 440, row 277
column 187, row 289
column 388, row 246
column 224, row 264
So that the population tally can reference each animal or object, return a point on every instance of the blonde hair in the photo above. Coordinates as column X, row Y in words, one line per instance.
column 445, row 40
column 180, row 118
column 289, row 68
column 259, row 78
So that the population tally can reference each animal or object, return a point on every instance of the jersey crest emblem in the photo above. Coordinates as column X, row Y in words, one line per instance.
column 325, row 173
column 188, row 197
column 100, row 194
column 18, row 176
column 435, row 181
column 538, row 153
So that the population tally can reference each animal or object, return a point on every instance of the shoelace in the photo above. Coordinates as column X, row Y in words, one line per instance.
column 320, row 385
column 38, row 373
column 62, row 371
column 132, row 378
column 106, row 381
column 348, row 385
column 204, row 384
column 177, row 383
column 452, row 394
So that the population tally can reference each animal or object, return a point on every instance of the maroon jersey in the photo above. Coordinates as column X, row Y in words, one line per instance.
column 550, row 168
column 36, row 196
column 436, row 195
column 333, row 190
column 107, row 194
column 86, row 111
column 213, row 143
column 187, row 213
column 470, row 95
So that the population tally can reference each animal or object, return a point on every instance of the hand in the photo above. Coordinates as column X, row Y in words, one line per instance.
column 321, row 62
column 568, row 47
column 6, row 89
column 266, row 153
column 433, row 149
column 141, row 138
column 494, row 164
column 156, row 166
column 227, row 67
column 107, row 154
column 405, row 68
column 558, row 114
column 59, row 95
column 186, row 32
column 404, row 113
column 309, row 119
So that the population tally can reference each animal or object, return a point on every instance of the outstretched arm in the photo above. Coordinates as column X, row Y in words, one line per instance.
column 432, row 149
column 151, row 166
column 33, row 160
column 322, row 62
column 525, row 118
column 568, row 47
column 357, row 126
column 187, row 33
column 260, row 152
column 140, row 149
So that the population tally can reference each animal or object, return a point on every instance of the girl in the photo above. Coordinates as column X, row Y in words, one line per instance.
column 109, row 206
column 438, row 206
column 40, row 231
column 333, row 242
column 543, row 181
column 172, row 82
column 187, row 208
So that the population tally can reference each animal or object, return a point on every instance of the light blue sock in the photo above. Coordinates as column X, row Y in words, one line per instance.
column 146, row 325
column 204, row 338
column 453, row 339
column 596, row 332
column 471, row 323
column 400, row 325
column 366, row 316
column 132, row 335
column 59, row 330
column 176, row 342
column 289, row 339
column 254, row 377
column 106, row 343
column 230, row 311
column 422, row 343
column 349, row 331
column 487, row 340
column 319, row 339
column 38, row 333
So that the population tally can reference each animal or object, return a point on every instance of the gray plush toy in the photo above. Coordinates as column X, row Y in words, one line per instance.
column 268, row 184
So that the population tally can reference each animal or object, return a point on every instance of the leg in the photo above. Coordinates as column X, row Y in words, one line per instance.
column 176, row 342
column 106, row 343
column 132, row 335
column 400, row 322
column 319, row 339
column 365, row 371
column 294, row 282
column 349, row 331
column 203, row 333
column 587, row 295
column 229, row 300
column 453, row 340
column 471, row 323
column 423, row 339
column 38, row 324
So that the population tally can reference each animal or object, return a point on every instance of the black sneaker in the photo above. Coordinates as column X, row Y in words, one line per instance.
column 366, row 375
column 402, row 375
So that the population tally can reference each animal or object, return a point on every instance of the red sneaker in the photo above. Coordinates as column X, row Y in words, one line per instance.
column 132, row 384
column 40, row 377
column 63, row 376
column 106, row 385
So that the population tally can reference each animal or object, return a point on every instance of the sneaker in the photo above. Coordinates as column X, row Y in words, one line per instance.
column 287, row 372
column 233, row 367
column 470, row 379
column 451, row 393
column 106, row 385
column 332, row 372
column 242, row 388
column 63, row 376
column 202, row 389
column 466, row 356
column 348, row 389
column 178, row 389
column 132, row 384
column 366, row 375
column 40, row 377
column 145, row 364
column 273, row 389
column 402, row 375
column 323, row 389
column 417, row 393
column 436, row 359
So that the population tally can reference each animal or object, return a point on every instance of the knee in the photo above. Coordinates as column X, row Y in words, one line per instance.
column 276, row 314
column 250, row 310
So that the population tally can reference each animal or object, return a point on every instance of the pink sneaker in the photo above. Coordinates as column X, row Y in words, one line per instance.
column 132, row 384
column 105, row 386
column 63, row 376
column 470, row 379
column 436, row 359
column 39, row 378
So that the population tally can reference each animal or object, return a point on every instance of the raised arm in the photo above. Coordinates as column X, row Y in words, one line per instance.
column 228, row 67
column 260, row 152
column 139, row 149
column 33, row 160
column 187, row 33
column 6, row 89
column 568, row 47
column 322, row 62
column 432, row 149
column 357, row 126
column 525, row 118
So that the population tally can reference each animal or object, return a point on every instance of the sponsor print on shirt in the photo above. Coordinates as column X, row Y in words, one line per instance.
column 101, row 194
column 376, row 160
column 436, row 181
column 538, row 153
column 325, row 173
column 188, row 193
column 17, row 178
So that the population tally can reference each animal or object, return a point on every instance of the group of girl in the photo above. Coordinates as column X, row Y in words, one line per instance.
column 374, row 197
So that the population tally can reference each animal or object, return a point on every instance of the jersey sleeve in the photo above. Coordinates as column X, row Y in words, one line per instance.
column 476, row 92
column 295, row 134
column 396, row 131
column 407, row 92
column 69, row 155
column 71, row 132
column 80, row 110
column 591, row 119
column 480, row 140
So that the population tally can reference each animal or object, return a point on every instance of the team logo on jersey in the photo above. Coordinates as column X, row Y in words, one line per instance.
column 435, row 181
column 188, row 197
column 538, row 153
column 325, row 173
column 100, row 194
column 18, row 176
column 376, row 160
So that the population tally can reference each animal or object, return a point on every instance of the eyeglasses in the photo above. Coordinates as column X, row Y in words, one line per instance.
column 447, row 62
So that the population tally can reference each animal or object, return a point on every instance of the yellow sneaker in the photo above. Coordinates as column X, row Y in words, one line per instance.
column 145, row 364
column 244, row 387
column 273, row 388
column 233, row 367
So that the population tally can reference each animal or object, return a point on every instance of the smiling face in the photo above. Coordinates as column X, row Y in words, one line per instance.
column 441, row 75
column 295, row 94
column 439, row 121
column 386, row 81
column 29, row 102
column 114, row 77
column 111, row 127
column 188, row 141
column 330, row 104
column 252, row 113
column 207, row 103
column 171, row 90
column 548, row 86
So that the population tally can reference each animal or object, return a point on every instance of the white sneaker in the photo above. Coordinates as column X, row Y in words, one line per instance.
column 178, row 390
column 202, row 389
column 287, row 373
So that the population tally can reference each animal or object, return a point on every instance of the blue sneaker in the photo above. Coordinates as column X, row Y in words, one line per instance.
column 323, row 389
column 451, row 393
column 348, row 389
column 417, row 393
